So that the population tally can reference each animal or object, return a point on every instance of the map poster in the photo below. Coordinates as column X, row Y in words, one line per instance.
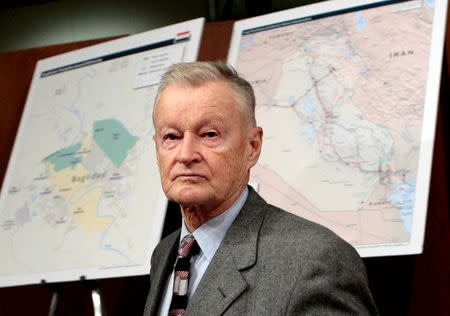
column 82, row 194
column 347, row 96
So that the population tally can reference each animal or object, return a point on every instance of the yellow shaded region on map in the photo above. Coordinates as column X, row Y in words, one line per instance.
column 85, row 148
column 84, row 210
column 82, row 198
column 63, row 182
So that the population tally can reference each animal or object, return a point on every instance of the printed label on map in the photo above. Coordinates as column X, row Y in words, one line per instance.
column 154, row 64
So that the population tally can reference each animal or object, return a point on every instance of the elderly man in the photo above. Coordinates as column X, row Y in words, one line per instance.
column 237, row 255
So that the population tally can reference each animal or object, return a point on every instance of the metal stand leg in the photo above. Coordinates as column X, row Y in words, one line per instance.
column 55, row 288
column 53, row 303
column 97, row 302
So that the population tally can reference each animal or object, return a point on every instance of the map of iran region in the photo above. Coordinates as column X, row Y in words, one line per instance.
column 341, row 101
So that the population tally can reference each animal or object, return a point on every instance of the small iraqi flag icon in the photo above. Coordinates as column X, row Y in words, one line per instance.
column 183, row 36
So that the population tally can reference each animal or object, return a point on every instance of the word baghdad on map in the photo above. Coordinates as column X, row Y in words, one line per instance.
column 347, row 97
column 82, row 193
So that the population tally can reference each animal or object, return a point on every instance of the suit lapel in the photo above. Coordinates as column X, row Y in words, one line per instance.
column 222, row 282
column 160, row 271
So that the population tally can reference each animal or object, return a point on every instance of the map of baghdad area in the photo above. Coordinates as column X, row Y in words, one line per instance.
column 341, row 102
column 86, row 180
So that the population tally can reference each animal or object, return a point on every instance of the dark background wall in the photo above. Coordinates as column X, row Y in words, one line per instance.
column 401, row 285
column 37, row 23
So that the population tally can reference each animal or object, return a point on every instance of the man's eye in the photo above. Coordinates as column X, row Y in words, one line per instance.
column 210, row 134
column 170, row 137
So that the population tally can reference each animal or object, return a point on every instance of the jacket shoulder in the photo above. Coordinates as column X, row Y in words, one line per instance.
column 299, row 232
column 164, row 246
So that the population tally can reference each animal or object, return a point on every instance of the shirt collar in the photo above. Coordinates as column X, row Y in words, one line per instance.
column 211, row 233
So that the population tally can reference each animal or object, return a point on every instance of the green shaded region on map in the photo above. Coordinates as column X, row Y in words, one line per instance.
column 114, row 139
column 65, row 157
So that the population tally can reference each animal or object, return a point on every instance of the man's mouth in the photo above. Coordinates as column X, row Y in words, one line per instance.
column 189, row 177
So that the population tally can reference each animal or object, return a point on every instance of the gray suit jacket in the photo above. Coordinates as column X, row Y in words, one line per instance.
column 271, row 263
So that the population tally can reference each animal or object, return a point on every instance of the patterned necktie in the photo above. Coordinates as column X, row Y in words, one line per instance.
column 188, row 248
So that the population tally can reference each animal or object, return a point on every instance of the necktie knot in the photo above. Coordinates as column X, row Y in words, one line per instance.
column 187, row 246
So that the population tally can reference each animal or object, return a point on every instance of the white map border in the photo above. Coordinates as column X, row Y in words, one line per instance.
column 195, row 27
column 415, row 246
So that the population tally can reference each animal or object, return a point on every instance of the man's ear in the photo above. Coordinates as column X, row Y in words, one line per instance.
column 255, row 136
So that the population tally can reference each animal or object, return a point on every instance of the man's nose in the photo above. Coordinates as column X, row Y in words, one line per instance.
column 188, row 149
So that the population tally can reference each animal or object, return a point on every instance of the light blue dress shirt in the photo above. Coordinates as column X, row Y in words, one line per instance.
column 208, row 236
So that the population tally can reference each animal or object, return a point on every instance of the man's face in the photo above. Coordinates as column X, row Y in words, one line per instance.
column 204, row 146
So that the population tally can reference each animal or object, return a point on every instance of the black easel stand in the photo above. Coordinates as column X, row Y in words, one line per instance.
column 97, row 303
column 56, row 288
column 91, row 285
